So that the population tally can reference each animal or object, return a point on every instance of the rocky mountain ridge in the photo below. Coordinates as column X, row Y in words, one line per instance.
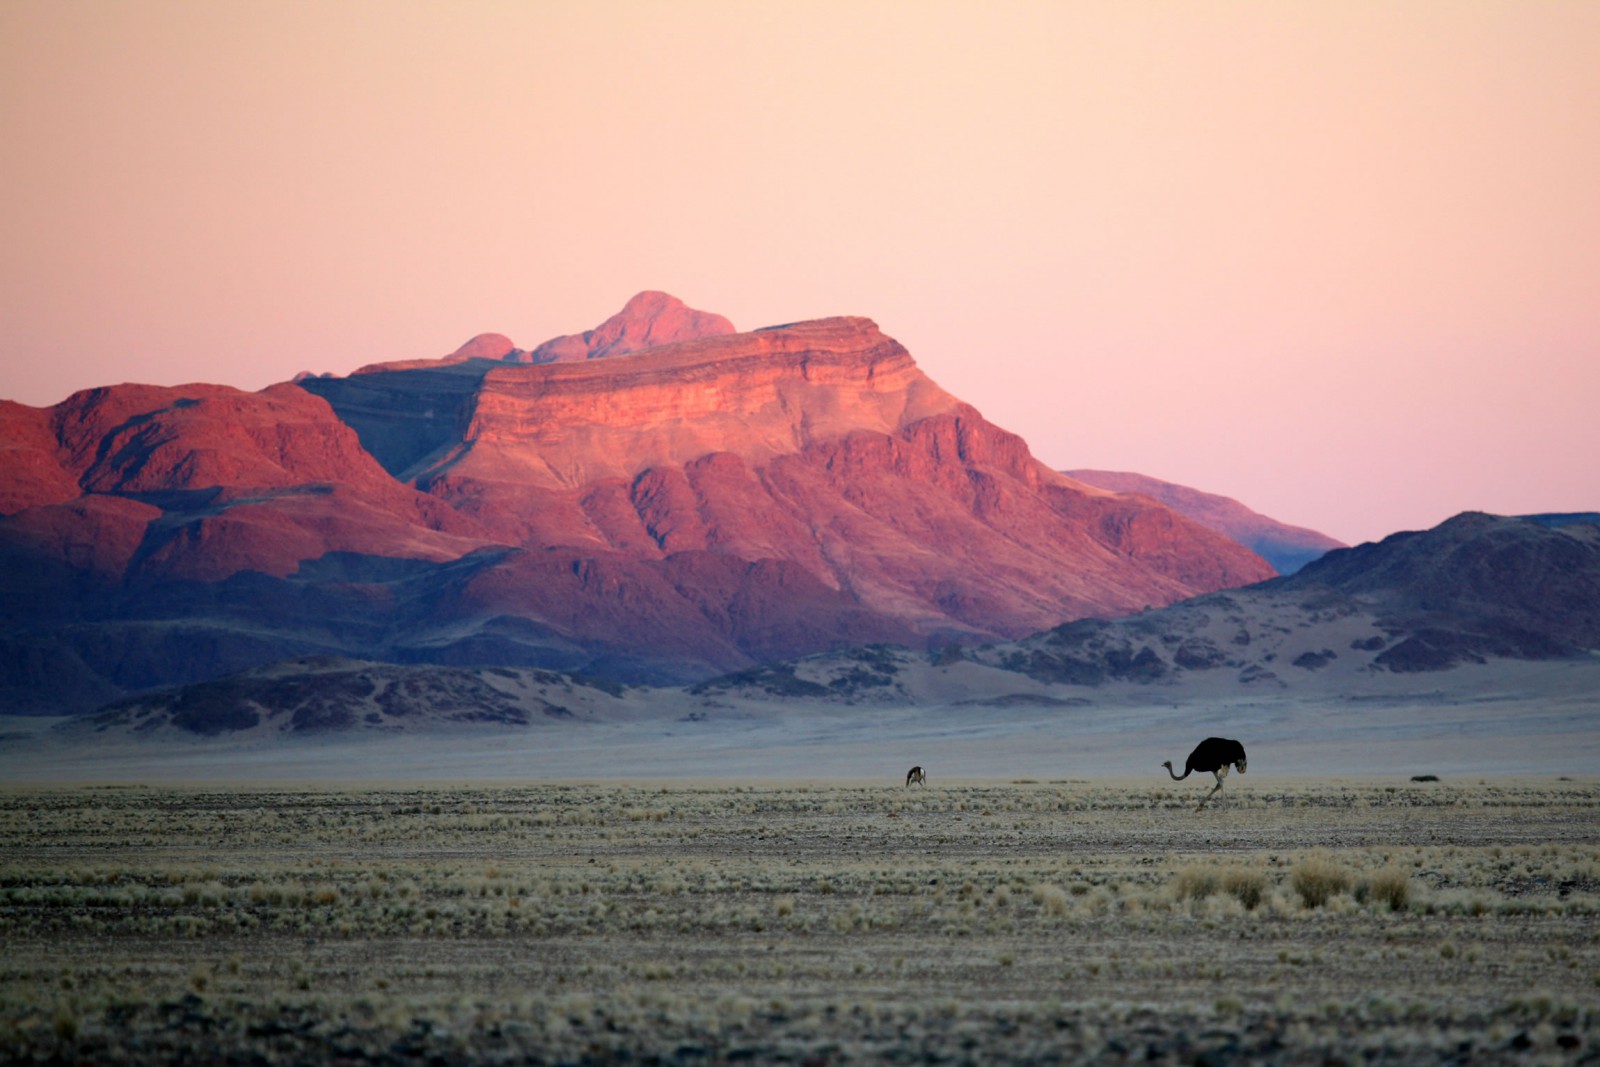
column 1475, row 588
column 1287, row 548
column 1472, row 592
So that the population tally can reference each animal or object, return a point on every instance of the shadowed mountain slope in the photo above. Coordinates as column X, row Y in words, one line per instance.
column 1474, row 588
column 322, row 694
column 1407, row 621
column 1477, row 584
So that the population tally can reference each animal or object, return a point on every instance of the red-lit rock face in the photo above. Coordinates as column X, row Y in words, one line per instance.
column 820, row 444
column 758, row 395
column 31, row 472
column 208, row 481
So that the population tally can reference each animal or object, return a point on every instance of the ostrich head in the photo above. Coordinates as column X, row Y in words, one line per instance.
column 1239, row 764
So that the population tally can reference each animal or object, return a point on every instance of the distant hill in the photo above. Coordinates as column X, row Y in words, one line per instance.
column 1565, row 518
column 1474, row 590
column 326, row 694
column 1476, row 585
column 1287, row 548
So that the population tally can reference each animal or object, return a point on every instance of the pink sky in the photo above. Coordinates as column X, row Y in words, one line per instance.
column 1338, row 260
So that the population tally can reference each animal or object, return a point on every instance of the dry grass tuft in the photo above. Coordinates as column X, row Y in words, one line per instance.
column 1317, row 879
column 1245, row 885
column 1390, row 887
column 1052, row 899
column 1197, row 882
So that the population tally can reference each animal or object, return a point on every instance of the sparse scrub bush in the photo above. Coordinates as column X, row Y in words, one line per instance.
column 1196, row 882
column 1199, row 881
column 1389, row 888
column 1245, row 885
column 1052, row 900
column 65, row 1022
column 1317, row 879
column 1102, row 901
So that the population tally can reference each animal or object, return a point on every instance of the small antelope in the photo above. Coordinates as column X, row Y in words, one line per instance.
column 915, row 775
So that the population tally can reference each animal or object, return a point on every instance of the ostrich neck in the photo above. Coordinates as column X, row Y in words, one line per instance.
column 1175, row 776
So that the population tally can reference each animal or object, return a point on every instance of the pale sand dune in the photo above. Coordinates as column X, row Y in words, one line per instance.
column 1509, row 718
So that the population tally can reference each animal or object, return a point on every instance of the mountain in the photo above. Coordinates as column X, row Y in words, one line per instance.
column 1475, row 588
column 1287, row 548
column 664, row 513
column 802, row 485
column 1477, row 585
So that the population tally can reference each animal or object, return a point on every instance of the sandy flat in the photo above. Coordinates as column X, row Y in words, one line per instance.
column 1309, row 919
column 1518, row 718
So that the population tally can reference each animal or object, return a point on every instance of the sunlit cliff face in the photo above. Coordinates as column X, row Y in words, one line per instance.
column 762, row 394
column 820, row 444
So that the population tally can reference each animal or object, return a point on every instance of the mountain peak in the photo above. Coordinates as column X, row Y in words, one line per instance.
column 649, row 319
column 487, row 346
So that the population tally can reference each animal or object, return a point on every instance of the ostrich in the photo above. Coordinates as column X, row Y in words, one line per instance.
column 915, row 775
column 1214, row 754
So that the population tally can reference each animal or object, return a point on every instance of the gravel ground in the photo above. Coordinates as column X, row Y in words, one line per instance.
column 824, row 922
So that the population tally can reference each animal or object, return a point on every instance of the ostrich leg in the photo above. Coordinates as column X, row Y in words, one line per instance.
column 1214, row 789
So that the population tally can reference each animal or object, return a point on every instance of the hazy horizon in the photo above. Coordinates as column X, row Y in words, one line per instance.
column 1335, row 261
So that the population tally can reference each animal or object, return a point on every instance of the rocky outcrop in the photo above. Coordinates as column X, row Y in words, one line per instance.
column 700, row 505
column 495, row 346
column 756, row 395
column 1287, row 548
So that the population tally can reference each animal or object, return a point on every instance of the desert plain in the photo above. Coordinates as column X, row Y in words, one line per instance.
column 1408, row 872
column 1296, row 919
